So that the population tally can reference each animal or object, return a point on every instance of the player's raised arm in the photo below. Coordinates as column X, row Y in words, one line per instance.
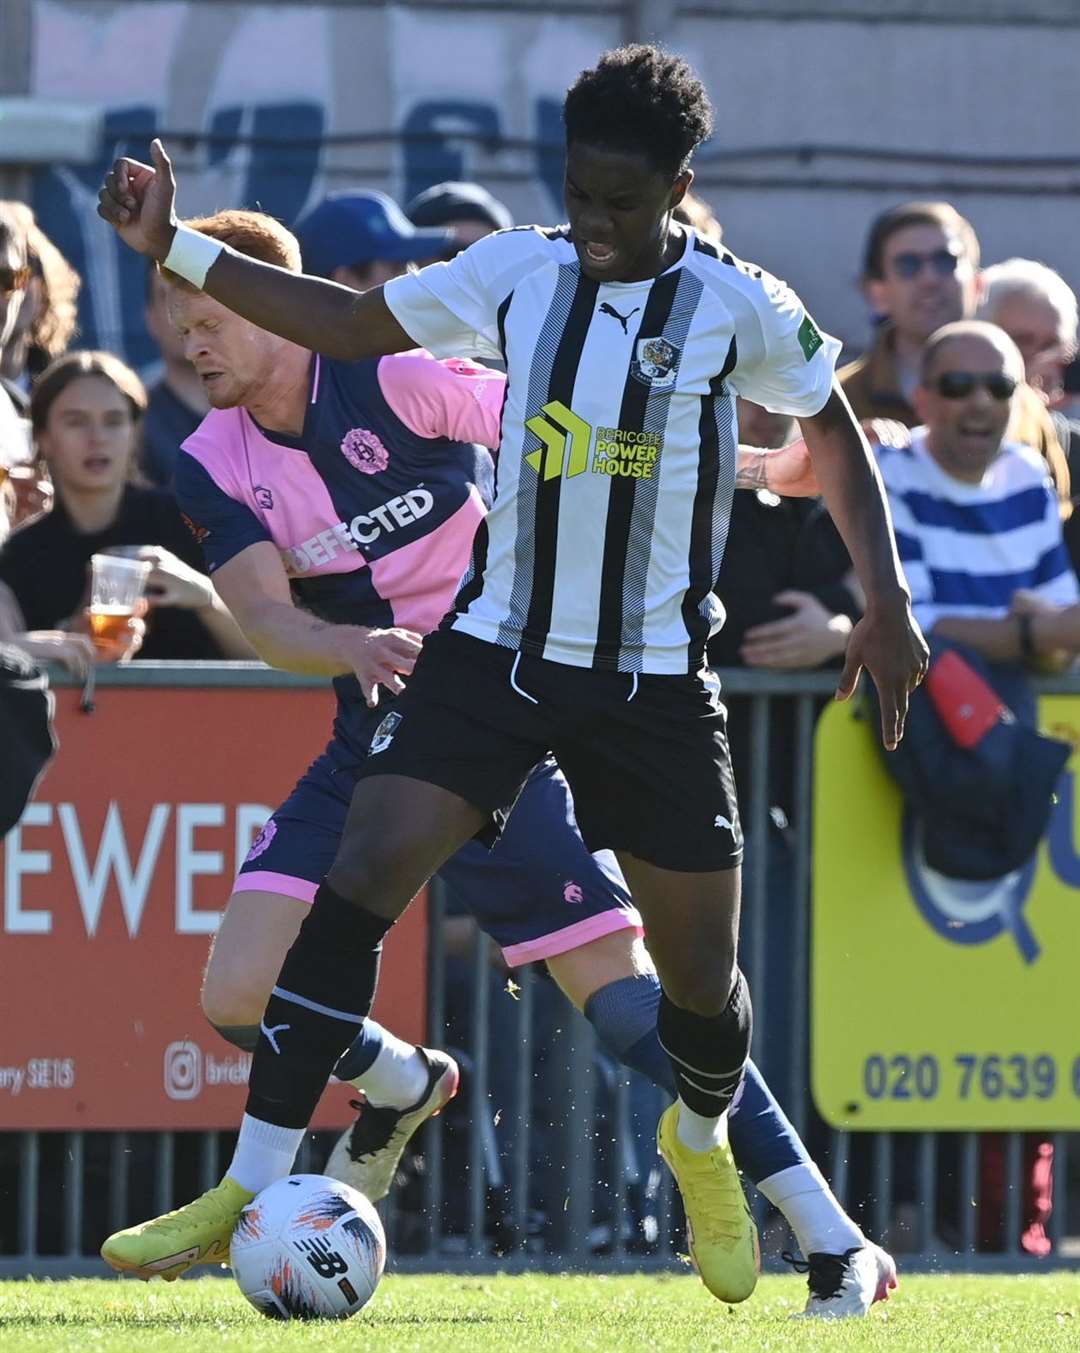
column 139, row 201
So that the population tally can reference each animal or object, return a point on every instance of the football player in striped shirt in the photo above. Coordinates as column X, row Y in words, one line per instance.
column 581, row 624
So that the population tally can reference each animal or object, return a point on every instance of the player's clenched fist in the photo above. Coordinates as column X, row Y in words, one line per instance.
column 138, row 201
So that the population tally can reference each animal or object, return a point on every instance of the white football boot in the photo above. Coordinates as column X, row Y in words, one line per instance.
column 848, row 1284
column 367, row 1154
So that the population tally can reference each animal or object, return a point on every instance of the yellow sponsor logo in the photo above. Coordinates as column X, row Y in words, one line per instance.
column 567, row 439
column 633, row 455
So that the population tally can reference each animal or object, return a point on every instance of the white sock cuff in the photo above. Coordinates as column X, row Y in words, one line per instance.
column 191, row 255
column 812, row 1210
column 789, row 1183
column 699, row 1132
column 397, row 1077
column 264, row 1153
column 258, row 1132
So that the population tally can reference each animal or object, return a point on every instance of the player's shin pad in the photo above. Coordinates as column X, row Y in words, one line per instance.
column 708, row 1052
column 321, row 999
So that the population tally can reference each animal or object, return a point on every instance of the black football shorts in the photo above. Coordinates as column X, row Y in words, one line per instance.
column 646, row 756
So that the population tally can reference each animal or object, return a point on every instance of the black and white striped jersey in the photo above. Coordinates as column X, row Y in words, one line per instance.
column 618, row 452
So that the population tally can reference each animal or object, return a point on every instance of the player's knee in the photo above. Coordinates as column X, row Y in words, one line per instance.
column 704, row 989
column 370, row 879
column 233, row 1002
column 354, row 878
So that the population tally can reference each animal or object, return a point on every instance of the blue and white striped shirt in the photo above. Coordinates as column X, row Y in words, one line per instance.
column 966, row 548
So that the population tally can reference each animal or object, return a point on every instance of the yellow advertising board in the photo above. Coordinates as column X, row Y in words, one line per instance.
column 935, row 1003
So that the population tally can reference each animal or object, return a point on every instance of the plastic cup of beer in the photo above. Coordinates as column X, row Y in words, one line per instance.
column 116, row 592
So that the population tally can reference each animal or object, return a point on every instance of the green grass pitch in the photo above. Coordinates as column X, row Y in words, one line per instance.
column 547, row 1313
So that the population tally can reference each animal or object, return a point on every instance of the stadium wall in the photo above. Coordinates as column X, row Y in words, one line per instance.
column 826, row 113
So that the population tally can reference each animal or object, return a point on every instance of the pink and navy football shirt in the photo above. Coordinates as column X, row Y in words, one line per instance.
column 373, row 508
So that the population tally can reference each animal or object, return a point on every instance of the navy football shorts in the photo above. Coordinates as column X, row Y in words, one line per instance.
column 538, row 892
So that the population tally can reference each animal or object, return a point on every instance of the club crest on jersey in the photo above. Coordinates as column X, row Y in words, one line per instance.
column 364, row 451
column 384, row 734
column 263, row 840
column 654, row 362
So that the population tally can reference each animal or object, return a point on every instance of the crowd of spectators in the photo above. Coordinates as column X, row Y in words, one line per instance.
column 964, row 389
column 790, row 594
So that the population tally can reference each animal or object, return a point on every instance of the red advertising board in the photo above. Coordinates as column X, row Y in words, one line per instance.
column 113, row 884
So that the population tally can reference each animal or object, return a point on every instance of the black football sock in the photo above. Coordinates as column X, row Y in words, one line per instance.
column 318, row 1005
column 708, row 1052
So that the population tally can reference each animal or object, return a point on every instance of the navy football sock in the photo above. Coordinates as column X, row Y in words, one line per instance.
column 762, row 1139
column 623, row 1013
column 361, row 1052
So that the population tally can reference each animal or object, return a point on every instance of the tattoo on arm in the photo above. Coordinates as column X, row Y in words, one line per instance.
column 755, row 475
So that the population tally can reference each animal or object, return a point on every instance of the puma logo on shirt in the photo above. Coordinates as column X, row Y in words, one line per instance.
column 607, row 309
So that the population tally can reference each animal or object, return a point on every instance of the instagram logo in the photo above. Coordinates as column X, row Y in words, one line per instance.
column 183, row 1070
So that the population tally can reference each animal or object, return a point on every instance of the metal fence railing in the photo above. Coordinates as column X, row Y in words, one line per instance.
column 547, row 1158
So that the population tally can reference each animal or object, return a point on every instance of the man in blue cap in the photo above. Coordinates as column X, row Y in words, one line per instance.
column 363, row 239
column 466, row 209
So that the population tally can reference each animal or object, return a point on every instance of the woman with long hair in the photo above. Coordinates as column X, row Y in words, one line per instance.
column 48, row 316
column 86, row 411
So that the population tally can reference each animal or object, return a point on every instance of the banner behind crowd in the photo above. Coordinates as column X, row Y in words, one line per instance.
column 113, row 885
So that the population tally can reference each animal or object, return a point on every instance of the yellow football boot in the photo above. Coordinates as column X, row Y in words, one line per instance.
column 198, row 1233
column 720, row 1231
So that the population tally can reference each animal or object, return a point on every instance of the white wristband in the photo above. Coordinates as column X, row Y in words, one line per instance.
column 191, row 255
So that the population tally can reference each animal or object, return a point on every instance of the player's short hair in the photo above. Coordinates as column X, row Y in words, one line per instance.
column 641, row 100
column 885, row 226
column 73, row 366
column 253, row 233
column 969, row 328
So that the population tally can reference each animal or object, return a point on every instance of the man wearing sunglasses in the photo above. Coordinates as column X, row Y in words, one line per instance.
column 979, row 532
column 920, row 271
column 976, row 518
